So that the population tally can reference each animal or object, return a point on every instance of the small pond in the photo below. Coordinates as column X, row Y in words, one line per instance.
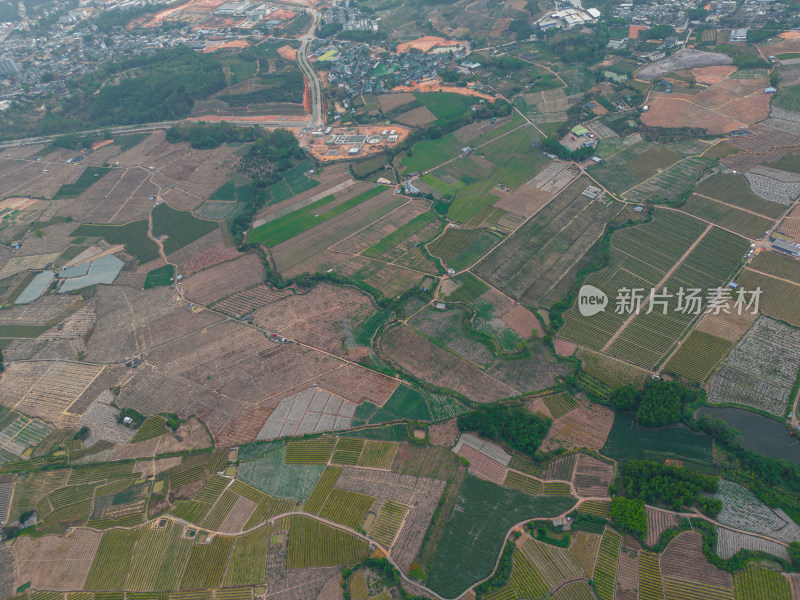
column 759, row 434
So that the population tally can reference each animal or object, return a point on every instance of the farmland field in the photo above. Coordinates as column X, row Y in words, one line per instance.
column 735, row 189
column 271, row 475
column 486, row 513
column 630, row 166
column 536, row 261
column 346, row 508
column 779, row 299
column 697, row 356
column 388, row 522
column 650, row 586
column 627, row 442
column 84, row 182
column 605, row 571
column 669, row 184
column 314, row 544
column 741, row 222
column 133, row 235
column 181, row 227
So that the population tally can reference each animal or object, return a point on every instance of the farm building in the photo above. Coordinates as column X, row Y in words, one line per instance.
column 35, row 288
column 579, row 130
column 102, row 270
column 781, row 246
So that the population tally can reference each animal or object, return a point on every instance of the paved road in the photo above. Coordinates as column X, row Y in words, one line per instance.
column 311, row 76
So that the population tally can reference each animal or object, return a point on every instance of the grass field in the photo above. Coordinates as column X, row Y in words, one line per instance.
column 84, row 182
column 735, row 189
column 627, row 442
column 159, row 277
column 698, row 355
column 729, row 217
column 485, row 514
column 469, row 288
column 126, row 142
column 446, row 107
column 400, row 234
column 180, row 226
column 452, row 243
column 429, row 153
column 271, row 475
column 288, row 226
column 225, row 192
column 408, row 403
column 133, row 235
column 475, row 250
column 314, row 544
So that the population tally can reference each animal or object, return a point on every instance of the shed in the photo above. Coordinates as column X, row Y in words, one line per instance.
column 579, row 130
column 35, row 288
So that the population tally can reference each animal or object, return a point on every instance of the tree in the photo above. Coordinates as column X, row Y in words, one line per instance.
column 517, row 426
column 629, row 515
column 709, row 506
column 794, row 553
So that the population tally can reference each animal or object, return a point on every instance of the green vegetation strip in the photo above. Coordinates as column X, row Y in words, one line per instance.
column 84, row 182
column 400, row 234
column 288, row 226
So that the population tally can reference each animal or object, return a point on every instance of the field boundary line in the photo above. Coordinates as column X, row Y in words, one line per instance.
column 772, row 276
column 25, row 395
column 677, row 162
column 752, row 212
column 66, row 410
column 660, row 284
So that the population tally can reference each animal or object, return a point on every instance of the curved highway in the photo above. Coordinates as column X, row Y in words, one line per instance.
column 314, row 84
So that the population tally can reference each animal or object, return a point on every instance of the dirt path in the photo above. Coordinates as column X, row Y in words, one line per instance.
column 658, row 286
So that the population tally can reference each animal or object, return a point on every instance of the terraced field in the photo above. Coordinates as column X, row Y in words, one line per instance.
column 605, row 571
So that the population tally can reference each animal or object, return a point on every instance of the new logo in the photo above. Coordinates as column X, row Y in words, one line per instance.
column 591, row 300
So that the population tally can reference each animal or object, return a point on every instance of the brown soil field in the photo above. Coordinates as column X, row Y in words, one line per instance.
column 585, row 427
column 432, row 363
column 444, row 433
column 683, row 59
column 416, row 117
column 391, row 101
column 191, row 435
column 238, row 516
column 729, row 327
column 56, row 563
column 151, row 468
column 305, row 245
column 363, row 239
column 516, row 316
column 658, row 521
column 54, row 240
column 684, row 559
column 246, row 301
column 321, row 317
column 225, row 279
column 209, row 250
column 133, row 321
column 436, row 86
column 592, row 477
column 338, row 184
column 564, row 347
column 482, row 466
column 713, row 75
column 723, row 107
column 525, row 201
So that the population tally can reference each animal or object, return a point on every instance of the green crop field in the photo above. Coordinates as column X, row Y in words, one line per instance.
column 297, row 177
column 321, row 490
column 429, row 153
column 221, row 509
column 400, row 234
column 788, row 97
column 310, row 452
column 479, row 247
column 614, row 175
column 650, row 586
column 314, row 544
column 248, row 560
column 272, row 476
column 180, row 226
column 378, row 455
column 152, row 427
column 469, row 288
column 698, row 355
column 605, row 571
column 485, row 514
column 735, row 189
column 560, row 404
column 348, row 451
column 133, row 235
column 158, row 558
column 286, row 227
column 159, row 277
column 598, row 508
column 452, row 243
column 777, row 264
column 525, row 483
column 226, row 192
column 755, row 582
column 446, row 189
column 729, row 217
column 779, row 299
column 112, row 561
column 84, row 182
column 408, row 403
column 207, row 563
column 388, row 522
column 126, row 142
column 670, row 183
column 268, row 508
column 790, row 162
column 627, row 442
column 675, row 587
column 100, row 472
column 346, row 508
column 445, row 107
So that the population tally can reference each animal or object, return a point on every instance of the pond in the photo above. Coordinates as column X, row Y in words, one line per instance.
column 759, row 434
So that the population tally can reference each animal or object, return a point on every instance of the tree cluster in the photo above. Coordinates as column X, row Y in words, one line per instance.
column 660, row 403
column 206, row 137
column 286, row 86
column 674, row 486
column 628, row 514
column 513, row 424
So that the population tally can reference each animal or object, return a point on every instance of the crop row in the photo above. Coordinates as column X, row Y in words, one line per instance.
column 207, row 563
column 560, row 404
column 221, row 509
column 605, row 571
column 310, row 452
column 650, row 586
column 348, row 451
column 388, row 522
column 321, row 490
column 346, row 508
column 755, row 582
column 315, row 544
column 378, row 455
column 683, row 588
column 524, row 483
column 248, row 559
